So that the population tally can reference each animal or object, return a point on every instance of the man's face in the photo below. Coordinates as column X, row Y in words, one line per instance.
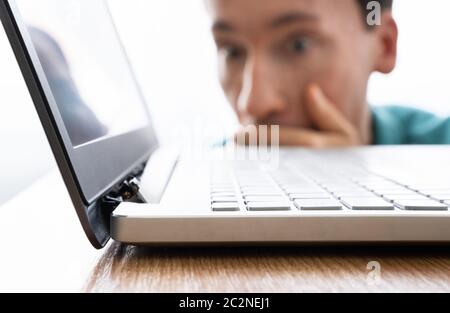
column 271, row 50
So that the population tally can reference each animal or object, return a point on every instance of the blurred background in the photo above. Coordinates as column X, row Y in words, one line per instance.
column 171, row 48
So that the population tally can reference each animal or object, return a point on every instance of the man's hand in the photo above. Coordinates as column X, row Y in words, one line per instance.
column 331, row 127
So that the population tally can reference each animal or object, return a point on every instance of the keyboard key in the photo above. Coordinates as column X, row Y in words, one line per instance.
column 262, row 193
column 420, row 205
column 334, row 182
column 299, row 183
column 386, row 186
column 292, row 181
column 318, row 205
column 317, row 191
column 269, row 206
column 261, row 189
column 307, row 186
column 367, row 204
column 354, row 194
column 428, row 187
column 351, row 188
column 218, row 190
column 393, row 198
column 296, row 196
column 223, row 199
column 223, row 194
column 304, row 190
column 431, row 192
column 257, row 185
column 226, row 207
column 441, row 198
column 218, row 185
column 265, row 199
column 396, row 192
column 370, row 180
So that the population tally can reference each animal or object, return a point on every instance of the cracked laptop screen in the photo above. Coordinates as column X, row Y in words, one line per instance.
column 86, row 68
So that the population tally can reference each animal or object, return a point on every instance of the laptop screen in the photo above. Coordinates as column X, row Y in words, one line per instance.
column 86, row 68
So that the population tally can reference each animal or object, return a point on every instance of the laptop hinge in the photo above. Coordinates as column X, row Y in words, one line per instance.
column 128, row 191
column 147, row 184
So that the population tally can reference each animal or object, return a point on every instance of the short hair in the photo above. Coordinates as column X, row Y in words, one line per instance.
column 384, row 4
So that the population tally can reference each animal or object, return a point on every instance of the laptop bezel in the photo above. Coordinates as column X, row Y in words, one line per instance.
column 89, row 171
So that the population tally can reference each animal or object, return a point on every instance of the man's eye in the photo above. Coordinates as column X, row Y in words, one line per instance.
column 233, row 53
column 299, row 45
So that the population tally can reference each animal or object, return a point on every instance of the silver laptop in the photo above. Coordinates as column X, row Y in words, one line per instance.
column 125, row 186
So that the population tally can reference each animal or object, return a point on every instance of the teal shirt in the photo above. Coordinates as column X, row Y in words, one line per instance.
column 396, row 125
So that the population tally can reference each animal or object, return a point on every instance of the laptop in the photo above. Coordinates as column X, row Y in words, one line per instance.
column 125, row 186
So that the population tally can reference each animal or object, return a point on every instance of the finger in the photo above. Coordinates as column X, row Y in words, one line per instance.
column 324, row 115
column 309, row 138
column 247, row 135
column 291, row 137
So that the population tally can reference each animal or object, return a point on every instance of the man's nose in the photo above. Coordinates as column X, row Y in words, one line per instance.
column 260, row 98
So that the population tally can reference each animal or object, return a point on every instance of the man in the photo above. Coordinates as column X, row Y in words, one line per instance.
column 305, row 65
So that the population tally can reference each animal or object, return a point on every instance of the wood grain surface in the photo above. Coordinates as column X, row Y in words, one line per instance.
column 272, row 269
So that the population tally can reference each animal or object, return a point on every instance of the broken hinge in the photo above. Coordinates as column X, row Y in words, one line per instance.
column 129, row 188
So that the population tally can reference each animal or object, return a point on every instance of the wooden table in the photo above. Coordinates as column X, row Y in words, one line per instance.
column 44, row 249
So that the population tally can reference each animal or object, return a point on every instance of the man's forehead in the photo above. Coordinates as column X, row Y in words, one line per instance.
column 263, row 14
column 268, row 9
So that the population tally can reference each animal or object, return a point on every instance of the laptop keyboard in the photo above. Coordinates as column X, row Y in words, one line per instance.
column 248, row 186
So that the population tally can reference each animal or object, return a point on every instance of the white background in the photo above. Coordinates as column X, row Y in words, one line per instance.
column 173, row 56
